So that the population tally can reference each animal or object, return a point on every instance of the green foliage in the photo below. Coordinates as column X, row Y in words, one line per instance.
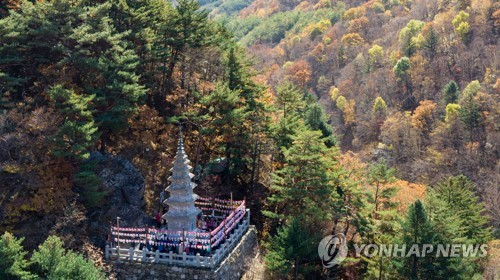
column 78, row 133
column 376, row 54
column 272, row 30
column 52, row 261
column 316, row 119
column 431, row 41
column 293, row 243
column 471, row 89
column 460, row 197
column 224, row 7
column 98, row 64
column 379, row 174
column 379, row 108
column 401, row 68
column 408, row 36
column 290, row 106
column 451, row 92
column 341, row 102
column 461, row 24
column 305, row 180
column 13, row 264
column 456, row 218
column 416, row 229
column 88, row 184
column 469, row 112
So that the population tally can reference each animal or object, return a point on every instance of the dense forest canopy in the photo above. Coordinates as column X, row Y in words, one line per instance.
column 375, row 119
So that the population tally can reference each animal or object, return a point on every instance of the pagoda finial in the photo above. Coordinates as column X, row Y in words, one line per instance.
column 181, row 143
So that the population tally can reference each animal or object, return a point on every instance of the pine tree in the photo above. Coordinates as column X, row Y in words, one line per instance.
column 304, row 183
column 289, row 105
column 85, row 54
column 451, row 92
column 416, row 229
column 293, row 246
column 470, row 115
column 52, row 261
column 383, row 217
column 459, row 194
column 13, row 264
column 316, row 119
column 431, row 41
column 78, row 133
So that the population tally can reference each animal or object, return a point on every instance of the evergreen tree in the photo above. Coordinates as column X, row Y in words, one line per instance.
column 383, row 225
column 289, row 105
column 379, row 175
column 431, row 41
column 226, row 116
column 95, row 60
column 470, row 115
column 304, row 183
column 78, row 133
column 292, row 248
column 451, row 92
column 459, row 194
column 13, row 264
column 416, row 229
column 52, row 261
column 316, row 119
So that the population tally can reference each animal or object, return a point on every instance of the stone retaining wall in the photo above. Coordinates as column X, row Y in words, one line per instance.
column 232, row 267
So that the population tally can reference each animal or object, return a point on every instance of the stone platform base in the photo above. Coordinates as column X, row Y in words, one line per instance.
column 232, row 267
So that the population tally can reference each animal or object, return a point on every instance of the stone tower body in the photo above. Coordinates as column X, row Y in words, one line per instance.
column 182, row 212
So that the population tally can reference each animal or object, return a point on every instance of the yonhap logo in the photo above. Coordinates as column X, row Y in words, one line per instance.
column 332, row 250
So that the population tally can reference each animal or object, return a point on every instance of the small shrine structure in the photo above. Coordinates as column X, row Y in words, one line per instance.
column 199, row 233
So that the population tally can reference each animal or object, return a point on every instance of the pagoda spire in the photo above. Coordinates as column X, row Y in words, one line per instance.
column 182, row 211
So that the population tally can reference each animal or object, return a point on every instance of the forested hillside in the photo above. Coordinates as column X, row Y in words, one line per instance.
column 374, row 119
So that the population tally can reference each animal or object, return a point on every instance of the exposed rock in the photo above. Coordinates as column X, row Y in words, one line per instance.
column 125, row 185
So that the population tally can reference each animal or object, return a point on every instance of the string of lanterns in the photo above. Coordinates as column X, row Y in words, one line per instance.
column 214, row 238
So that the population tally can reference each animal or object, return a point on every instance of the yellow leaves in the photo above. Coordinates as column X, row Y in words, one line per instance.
column 334, row 93
column 278, row 51
column 12, row 168
column 350, row 112
column 452, row 112
column 376, row 54
column 348, row 107
column 379, row 107
column 315, row 29
column 461, row 24
column 354, row 13
column 352, row 39
column 341, row 101
column 322, row 4
column 378, row 7
column 318, row 52
column 492, row 270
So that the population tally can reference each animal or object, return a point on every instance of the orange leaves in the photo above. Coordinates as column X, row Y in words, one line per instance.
column 407, row 193
column 424, row 115
column 357, row 25
column 299, row 72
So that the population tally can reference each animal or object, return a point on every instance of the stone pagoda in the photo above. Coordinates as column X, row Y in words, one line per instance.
column 182, row 212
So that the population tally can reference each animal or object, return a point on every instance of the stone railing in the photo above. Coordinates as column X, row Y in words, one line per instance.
column 171, row 258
